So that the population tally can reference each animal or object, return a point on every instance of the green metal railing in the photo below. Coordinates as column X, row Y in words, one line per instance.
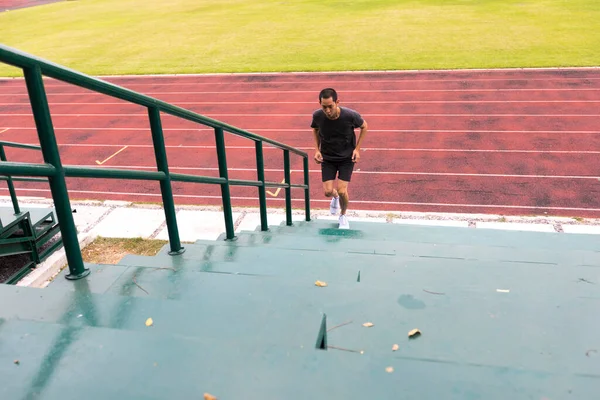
column 35, row 68
column 9, row 179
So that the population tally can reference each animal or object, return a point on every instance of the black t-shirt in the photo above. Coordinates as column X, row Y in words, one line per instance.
column 338, row 139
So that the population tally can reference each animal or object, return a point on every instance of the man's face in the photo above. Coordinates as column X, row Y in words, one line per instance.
column 330, row 108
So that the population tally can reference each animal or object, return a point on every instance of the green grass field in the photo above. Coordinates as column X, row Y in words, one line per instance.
column 189, row 36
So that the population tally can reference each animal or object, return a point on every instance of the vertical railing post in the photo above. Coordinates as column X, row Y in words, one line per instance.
column 11, row 187
column 262, row 190
column 58, row 184
column 288, row 190
column 226, row 196
column 160, row 154
column 307, row 190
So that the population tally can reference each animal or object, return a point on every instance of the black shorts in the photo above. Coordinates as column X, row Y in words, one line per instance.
column 330, row 169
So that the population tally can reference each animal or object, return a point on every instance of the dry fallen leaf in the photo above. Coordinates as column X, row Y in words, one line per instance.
column 389, row 370
column 17, row 362
column 590, row 351
column 414, row 332
column 149, row 322
column 368, row 324
column 208, row 396
column 320, row 284
column 395, row 347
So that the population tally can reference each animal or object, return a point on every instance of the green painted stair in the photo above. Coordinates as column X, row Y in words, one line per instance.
column 100, row 363
column 431, row 274
column 439, row 235
column 335, row 244
column 244, row 319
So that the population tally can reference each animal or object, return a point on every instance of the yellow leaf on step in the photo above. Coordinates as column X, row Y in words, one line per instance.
column 389, row 370
column 149, row 322
column 208, row 396
column 320, row 284
column 395, row 347
column 414, row 332
column 368, row 324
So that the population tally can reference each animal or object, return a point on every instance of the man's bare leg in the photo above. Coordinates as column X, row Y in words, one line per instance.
column 342, row 190
column 330, row 191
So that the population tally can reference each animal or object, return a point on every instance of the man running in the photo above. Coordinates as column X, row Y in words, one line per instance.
column 336, row 148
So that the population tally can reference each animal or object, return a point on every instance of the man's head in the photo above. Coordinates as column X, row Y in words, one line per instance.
column 329, row 103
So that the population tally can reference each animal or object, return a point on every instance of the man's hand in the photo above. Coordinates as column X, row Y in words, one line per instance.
column 355, row 155
column 318, row 157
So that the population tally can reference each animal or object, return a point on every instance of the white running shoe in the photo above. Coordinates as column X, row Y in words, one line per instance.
column 334, row 207
column 344, row 222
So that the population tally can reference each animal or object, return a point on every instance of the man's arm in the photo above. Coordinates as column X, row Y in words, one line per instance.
column 363, row 132
column 317, row 139
column 318, row 157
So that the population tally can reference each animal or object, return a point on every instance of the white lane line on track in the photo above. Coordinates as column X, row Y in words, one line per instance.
column 305, row 130
column 363, row 149
column 217, row 103
column 399, row 203
column 400, row 173
column 57, row 84
column 366, row 115
column 345, row 91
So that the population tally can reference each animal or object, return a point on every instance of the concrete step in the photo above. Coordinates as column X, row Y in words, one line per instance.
column 235, row 312
column 205, row 312
column 442, row 235
column 381, row 272
column 334, row 245
column 99, row 363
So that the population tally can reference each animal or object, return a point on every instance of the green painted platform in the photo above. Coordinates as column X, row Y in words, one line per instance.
column 503, row 315
column 31, row 234
column 37, row 215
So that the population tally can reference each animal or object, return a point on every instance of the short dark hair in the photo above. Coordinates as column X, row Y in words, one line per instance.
column 328, row 93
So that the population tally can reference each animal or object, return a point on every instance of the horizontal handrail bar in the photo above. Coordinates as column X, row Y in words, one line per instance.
column 241, row 182
column 277, row 185
column 285, row 185
column 27, row 169
column 299, row 186
column 21, row 59
column 113, row 173
column 19, row 145
column 10, row 168
column 197, row 178
column 5, row 178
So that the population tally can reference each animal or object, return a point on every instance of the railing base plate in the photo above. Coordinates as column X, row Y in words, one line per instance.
column 178, row 252
column 73, row 277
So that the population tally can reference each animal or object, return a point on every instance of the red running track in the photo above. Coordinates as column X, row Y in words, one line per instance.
column 6, row 5
column 512, row 142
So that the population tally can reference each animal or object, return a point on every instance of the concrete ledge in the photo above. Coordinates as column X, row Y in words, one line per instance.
column 130, row 223
column 352, row 219
column 87, row 217
column 198, row 225
column 582, row 229
column 432, row 222
column 251, row 221
column 116, row 203
column 516, row 226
